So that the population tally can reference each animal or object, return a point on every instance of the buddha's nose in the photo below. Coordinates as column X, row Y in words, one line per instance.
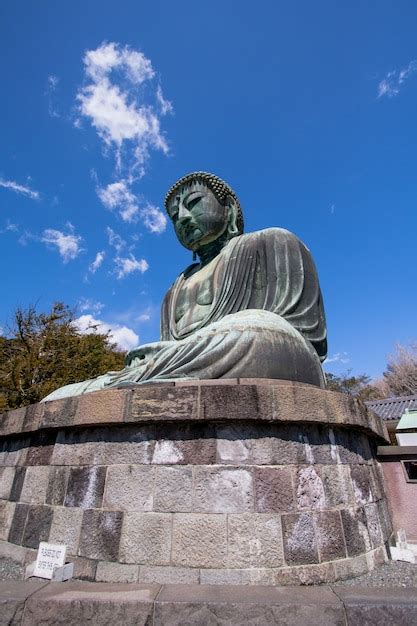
column 184, row 214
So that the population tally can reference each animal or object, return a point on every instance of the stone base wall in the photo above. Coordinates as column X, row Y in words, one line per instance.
column 218, row 483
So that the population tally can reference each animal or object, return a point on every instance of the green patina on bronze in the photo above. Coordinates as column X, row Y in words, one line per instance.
column 251, row 306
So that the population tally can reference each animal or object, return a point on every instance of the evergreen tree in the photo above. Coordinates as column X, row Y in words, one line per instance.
column 44, row 351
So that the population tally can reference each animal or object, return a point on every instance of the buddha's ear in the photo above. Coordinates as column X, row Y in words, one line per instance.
column 232, row 228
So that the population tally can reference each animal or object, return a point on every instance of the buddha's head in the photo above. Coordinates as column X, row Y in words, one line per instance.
column 203, row 208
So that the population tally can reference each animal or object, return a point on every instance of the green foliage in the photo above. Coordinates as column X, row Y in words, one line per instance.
column 44, row 351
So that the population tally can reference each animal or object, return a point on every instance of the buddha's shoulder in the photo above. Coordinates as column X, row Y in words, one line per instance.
column 273, row 234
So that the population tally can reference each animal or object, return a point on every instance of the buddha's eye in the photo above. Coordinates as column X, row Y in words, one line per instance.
column 192, row 201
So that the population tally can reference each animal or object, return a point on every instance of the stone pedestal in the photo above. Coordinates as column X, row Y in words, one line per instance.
column 237, row 481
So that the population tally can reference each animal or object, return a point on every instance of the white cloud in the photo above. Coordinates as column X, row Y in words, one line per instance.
column 14, row 186
column 115, row 240
column 69, row 245
column 165, row 105
column 119, row 108
column 129, row 264
column 391, row 84
column 339, row 357
column 125, row 338
column 154, row 219
column 88, row 304
column 93, row 267
column 118, row 196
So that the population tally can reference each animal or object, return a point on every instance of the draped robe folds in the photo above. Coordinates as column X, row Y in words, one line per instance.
column 266, row 320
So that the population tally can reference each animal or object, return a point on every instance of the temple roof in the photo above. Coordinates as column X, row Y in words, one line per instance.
column 392, row 408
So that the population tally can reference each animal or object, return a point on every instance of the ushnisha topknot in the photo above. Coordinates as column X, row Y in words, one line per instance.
column 220, row 189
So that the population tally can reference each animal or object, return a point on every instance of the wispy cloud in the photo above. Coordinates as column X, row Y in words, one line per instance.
column 125, row 338
column 390, row 85
column 115, row 240
column 68, row 245
column 51, row 88
column 88, row 304
column 93, row 267
column 339, row 357
column 118, row 196
column 10, row 227
column 128, row 265
column 17, row 188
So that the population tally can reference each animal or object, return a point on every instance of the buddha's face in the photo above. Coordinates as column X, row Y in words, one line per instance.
column 197, row 215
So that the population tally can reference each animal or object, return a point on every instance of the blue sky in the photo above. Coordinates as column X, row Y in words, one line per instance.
column 308, row 110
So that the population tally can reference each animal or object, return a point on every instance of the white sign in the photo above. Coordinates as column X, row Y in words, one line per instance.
column 50, row 556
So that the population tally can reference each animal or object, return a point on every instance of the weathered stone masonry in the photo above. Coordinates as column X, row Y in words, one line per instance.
column 246, row 482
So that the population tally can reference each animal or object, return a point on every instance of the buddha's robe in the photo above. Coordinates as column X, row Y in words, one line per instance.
column 260, row 316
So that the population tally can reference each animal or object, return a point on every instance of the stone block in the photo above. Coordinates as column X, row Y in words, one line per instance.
column 191, row 444
column 165, row 575
column 313, row 574
column 300, row 543
column 236, row 402
column 223, row 490
column 374, row 606
column 177, row 605
column 109, row 572
column 252, row 576
column 17, row 485
column 372, row 522
column 84, row 569
column 66, row 527
column 6, row 481
column 102, row 407
column 85, row 487
column 35, row 485
column 105, row 446
column 100, row 535
column 12, row 551
column 355, row 531
column 337, row 485
column 12, row 421
column 361, row 482
column 58, row 413
column 57, row 485
column 254, row 540
column 76, row 602
column 41, row 448
column 163, row 403
column 38, row 524
column 274, row 492
column 199, row 540
column 173, row 490
column 146, row 538
column 6, row 518
column 384, row 519
column 33, row 417
column 14, row 451
column 377, row 481
column 13, row 598
column 18, row 523
column 310, row 489
column 129, row 488
column 330, row 537
column 351, row 567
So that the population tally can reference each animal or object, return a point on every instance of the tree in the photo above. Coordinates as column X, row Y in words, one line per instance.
column 44, row 351
column 400, row 376
column 359, row 386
